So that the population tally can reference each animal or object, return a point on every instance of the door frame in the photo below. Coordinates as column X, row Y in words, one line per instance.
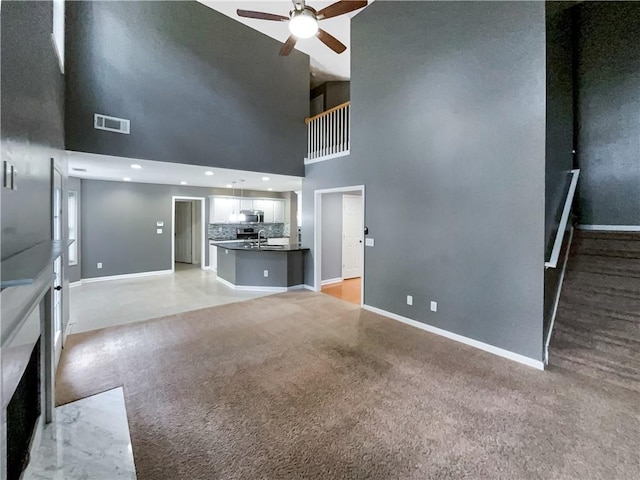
column 173, row 229
column 58, row 343
column 317, row 234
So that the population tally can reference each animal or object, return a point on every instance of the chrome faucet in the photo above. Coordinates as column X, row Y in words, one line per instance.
column 263, row 234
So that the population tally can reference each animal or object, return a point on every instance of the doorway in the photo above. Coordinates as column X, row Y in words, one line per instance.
column 339, row 243
column 187, row 233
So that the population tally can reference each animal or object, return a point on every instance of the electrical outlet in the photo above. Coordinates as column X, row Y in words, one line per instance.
column 409, row 300
column 434, row 306
column 99, row 264
column 158, row 231
column 266, row 273
column 369, row 242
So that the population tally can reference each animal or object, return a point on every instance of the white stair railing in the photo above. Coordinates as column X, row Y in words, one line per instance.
column 328, row 134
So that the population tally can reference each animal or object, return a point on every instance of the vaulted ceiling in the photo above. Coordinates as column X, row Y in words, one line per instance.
column 325, row 64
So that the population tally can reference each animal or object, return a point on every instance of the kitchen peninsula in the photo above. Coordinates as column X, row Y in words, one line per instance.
column 277, row 268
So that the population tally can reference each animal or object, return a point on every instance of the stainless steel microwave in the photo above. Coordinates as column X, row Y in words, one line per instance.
column 251, row 216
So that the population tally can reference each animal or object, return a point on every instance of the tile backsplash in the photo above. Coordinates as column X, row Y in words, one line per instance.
column 227, row 231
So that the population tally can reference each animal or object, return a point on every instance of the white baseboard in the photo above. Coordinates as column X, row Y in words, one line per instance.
column 75, row 284
column 537, row 364
column 331, row 280
column 258, row 288
column 611, row 228
column 126, row 276
column 308, row 287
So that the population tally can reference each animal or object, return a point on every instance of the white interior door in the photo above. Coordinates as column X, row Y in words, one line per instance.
column 183, row 241
column 352, row 235
column 56, row 203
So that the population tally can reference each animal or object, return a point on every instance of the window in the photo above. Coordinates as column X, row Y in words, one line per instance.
column 73, row 227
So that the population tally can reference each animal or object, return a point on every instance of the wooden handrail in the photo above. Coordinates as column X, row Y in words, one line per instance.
column 311, row 119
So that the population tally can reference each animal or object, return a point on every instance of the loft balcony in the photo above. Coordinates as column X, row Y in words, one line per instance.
column 328, row 134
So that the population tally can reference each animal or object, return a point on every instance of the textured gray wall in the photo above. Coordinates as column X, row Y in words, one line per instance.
column 198, row 87
column 608, row 119
column 75, row 271
column 448, row 126
column 331, row 236
column 559, row 118
column 32, row 121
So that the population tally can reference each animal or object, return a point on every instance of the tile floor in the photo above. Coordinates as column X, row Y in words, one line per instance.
column 115, row 302
column 88, row 440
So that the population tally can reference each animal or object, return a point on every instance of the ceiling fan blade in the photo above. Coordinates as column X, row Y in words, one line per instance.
column 340, row 8
column 287, row 47
column 262, row 15
column 332, row 42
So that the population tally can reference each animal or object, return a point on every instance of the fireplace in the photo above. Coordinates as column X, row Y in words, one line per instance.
column 23, row 411
column 28, row 356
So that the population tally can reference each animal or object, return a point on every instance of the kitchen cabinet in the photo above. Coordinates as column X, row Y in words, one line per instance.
column 222, row 208
column 278, row 211
column 267, row 207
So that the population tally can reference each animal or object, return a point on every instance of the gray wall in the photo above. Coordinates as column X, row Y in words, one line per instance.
column 198, row 87
column 119, row 225
column 448, row 126
column 331, row 236
column 32, row 121
column 559, row 118
column 75, row 275
column 608, row 119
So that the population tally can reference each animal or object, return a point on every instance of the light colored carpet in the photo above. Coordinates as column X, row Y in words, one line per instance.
column 302, row 385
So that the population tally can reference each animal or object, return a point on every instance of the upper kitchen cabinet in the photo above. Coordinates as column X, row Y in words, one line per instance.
column 222, row 208
column 215, row 94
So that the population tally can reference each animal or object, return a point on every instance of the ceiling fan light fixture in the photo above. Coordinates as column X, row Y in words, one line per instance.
column 303, row 24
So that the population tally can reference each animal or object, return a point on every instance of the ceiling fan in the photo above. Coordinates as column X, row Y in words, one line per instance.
column 303, row 22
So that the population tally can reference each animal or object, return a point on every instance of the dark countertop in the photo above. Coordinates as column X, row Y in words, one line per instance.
column 264, row 248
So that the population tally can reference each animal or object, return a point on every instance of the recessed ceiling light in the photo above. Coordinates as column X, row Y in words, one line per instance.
column 229, row 185
column 270, row 189
column 208, row 172
column 126, row 179
column 266, row 179
column 183, row 183
column 135, row 166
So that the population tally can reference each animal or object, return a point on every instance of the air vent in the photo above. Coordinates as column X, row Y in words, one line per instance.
column 75, row 169
column 111, row 124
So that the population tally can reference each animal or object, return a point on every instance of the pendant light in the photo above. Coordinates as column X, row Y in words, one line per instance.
column 241, row 216
column 233, row 218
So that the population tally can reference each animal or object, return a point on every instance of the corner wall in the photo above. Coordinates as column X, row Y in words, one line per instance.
column 448, row 137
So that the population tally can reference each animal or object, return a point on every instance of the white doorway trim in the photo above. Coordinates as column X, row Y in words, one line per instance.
column 173, row 230
column 317, row 235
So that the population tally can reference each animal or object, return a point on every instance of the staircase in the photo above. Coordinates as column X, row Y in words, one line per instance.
column 597, row 327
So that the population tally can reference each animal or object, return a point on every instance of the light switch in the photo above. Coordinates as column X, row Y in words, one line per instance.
column 369, row 242
column 434, row 306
